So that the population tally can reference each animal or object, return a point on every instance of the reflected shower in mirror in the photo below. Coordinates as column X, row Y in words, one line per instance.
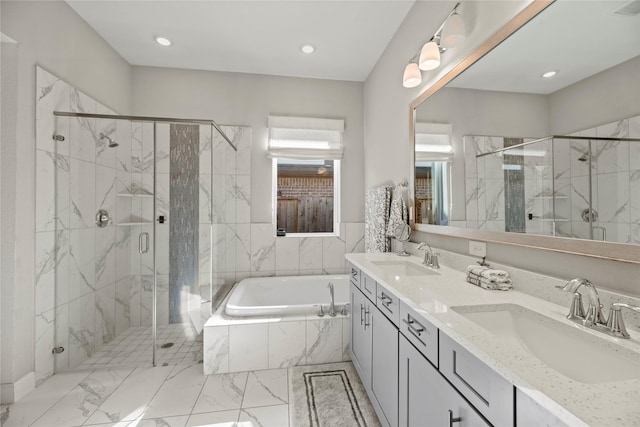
column 581, row 176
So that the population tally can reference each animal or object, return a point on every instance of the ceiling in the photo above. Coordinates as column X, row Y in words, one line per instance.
column 576, row 38
column 262, row 37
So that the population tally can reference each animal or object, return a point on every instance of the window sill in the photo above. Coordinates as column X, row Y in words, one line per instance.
column 303, row 235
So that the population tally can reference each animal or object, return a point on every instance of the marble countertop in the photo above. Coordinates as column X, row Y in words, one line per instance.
column 573, row 402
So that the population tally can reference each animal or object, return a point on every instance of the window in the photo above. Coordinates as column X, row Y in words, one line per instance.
column 306, row 155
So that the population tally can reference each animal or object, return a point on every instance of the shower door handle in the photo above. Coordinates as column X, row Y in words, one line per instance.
column 143, row 243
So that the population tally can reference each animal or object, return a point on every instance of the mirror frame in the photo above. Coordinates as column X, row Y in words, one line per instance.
column 604, row 250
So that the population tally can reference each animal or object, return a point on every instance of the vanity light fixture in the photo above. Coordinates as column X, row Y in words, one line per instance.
column 450, row 34
column 454, row 31
column 412, row 76
column 162, row 41
column 429, row 56
column 549, row 74
column 307, row 48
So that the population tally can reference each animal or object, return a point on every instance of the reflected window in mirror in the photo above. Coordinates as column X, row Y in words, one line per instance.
column 432, row 192
column 432, row 172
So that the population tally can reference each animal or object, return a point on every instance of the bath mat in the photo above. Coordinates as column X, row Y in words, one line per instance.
column 329, row 395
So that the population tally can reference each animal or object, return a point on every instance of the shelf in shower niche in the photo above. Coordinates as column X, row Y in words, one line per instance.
column 133, row 223
column 136, row 195
column 551, row 197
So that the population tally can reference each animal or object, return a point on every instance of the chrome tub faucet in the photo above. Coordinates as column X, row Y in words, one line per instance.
column 332, row 307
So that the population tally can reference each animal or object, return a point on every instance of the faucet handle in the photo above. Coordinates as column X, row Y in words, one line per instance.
column 615, row 322
column 577, row 309
column 434, row 261
column 321, row 312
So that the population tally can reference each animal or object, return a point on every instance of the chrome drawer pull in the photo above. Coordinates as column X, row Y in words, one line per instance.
column 453, row 420
column 361, row 313
column 366, row 322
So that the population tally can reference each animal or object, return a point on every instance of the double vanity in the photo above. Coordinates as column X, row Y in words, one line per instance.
column 434, row 350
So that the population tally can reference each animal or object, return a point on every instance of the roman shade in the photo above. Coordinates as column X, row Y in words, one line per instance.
column 305, row 138
column 433, row 142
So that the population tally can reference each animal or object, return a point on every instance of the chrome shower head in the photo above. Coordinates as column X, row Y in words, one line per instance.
column 112, row 143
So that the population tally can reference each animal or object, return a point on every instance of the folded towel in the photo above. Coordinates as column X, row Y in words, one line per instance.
column 487, row 273
column 502, row 286
column 474, row 276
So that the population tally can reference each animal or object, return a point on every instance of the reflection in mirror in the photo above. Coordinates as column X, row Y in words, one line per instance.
column 556, row 156
column 433, row 152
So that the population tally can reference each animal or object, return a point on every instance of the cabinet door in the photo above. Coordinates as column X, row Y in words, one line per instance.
column 426, row 399
column 360, row 327
column 384, row 366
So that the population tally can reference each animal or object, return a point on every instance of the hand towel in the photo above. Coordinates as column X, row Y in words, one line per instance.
column 399, row 213
column 487, row 273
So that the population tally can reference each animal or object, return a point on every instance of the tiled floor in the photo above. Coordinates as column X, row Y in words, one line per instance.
column 168, row 396
column 133, row 348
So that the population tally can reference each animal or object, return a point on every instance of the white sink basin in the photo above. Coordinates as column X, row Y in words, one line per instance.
column 564, row 348
column 394, row 270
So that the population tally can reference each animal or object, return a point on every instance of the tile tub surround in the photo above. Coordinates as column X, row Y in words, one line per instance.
column 574, row 403
column 234, row 344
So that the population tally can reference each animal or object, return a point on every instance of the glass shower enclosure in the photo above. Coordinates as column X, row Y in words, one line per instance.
column 135, row 230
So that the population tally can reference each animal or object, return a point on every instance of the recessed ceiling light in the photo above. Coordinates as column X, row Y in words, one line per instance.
column 162, row 41
column 308, row 48
column 549, row 74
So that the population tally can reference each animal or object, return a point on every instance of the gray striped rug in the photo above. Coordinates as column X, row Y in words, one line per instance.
column 329, row 395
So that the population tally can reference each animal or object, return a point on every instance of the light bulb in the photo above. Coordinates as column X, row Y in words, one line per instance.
column 412, row 76
column 429, row 56
column 162, row 41
column 453, row 32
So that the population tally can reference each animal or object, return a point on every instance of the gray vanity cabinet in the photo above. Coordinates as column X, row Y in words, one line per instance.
column 384, row 366
column 426, row 399
column 360, row 328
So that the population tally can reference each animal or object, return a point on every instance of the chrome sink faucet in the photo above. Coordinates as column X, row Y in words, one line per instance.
column 430, row 259
column 593, row 317
column 332, row 307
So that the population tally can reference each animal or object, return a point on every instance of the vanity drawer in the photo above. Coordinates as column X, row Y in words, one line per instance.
column 422, row 334
column 354, row 275
column 368, row 287
column 388, row 304
column 488, row 392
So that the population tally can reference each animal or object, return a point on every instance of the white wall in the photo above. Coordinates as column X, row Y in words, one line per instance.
column 51, row 34
column 608, row 96
column 387, row 136
column 247, row 100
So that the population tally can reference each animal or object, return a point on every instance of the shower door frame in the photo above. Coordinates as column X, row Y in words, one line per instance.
column 155, row 121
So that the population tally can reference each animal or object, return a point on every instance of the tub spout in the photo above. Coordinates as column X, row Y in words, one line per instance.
column 332, row 306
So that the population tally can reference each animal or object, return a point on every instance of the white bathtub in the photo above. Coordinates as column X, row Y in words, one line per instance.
column 286, row 295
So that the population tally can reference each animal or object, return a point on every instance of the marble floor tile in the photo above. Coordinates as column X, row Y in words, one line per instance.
column 130, row 400
column 188, row 380
column 266, row 416
column 222, row 392
column 35, row 404
column 214, row 419
column 179, row 421
column 265, row 388
column 80, row 403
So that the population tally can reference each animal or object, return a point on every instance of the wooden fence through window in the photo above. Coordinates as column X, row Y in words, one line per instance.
column 308, row 214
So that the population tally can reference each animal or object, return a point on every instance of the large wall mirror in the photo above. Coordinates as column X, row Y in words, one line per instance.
column 538, row 161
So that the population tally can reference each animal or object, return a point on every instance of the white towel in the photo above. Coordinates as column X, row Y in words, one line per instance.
column 488, row 273
column 495, row 286
column 399, row 213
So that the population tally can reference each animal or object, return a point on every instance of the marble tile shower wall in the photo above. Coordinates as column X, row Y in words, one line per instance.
column 82, row 271
column 615, row 174
column 615, row 184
